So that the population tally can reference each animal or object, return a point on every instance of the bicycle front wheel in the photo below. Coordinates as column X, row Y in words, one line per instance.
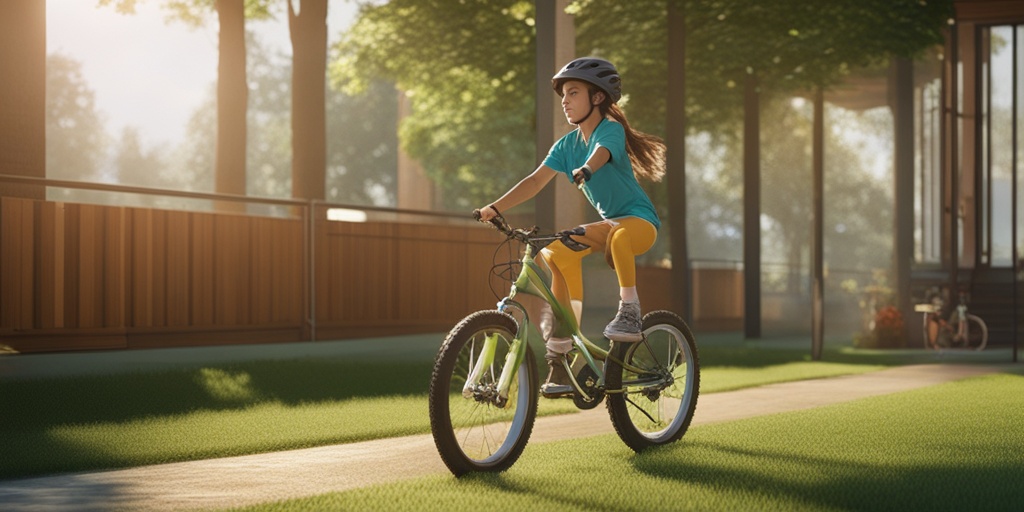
column 976, row 333
column 474, row 428
column 659, row 383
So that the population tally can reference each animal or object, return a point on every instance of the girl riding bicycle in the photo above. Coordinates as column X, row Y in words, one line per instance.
column 605, row 157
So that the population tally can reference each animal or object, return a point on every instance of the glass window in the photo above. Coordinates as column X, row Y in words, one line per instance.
column 999, row 168
column 928, row 160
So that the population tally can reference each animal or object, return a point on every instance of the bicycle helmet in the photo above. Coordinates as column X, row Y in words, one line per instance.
column 592, row 70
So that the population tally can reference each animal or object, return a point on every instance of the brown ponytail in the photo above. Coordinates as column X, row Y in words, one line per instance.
column 646, row 152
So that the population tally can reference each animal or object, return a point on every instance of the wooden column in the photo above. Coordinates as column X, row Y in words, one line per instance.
column 23, row 95
column 903, row 182
column 751, row 209
column 818, row 245
column 682, row 294
column 559, row 205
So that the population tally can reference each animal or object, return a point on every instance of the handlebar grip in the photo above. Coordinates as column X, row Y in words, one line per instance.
column 497, row 221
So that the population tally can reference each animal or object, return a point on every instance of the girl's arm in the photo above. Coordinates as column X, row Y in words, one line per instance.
column 598, row 159
column 521, row 192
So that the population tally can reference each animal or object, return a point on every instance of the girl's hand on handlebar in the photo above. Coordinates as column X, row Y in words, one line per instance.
column 485, row 214
column 581, row 175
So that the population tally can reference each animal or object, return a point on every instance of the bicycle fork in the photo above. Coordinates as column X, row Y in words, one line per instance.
column 513, row 359
column 484, row 360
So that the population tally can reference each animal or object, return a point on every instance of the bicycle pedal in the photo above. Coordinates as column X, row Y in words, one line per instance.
column 556, row 391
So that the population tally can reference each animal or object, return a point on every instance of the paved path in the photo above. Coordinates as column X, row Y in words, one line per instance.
column 246, row 480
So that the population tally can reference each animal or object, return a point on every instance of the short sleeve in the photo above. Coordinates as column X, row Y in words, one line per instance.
column 612, row 137
column 556, row 157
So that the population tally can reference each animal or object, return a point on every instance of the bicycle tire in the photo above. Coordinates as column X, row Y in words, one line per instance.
column 473, row 434
column 646, row 415
column 977, row 333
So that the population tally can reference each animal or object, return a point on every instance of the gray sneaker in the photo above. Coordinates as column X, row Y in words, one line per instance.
column 626, row 325
column 557, row 384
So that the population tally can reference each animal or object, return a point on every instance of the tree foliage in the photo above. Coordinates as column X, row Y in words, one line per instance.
column 194, row 12
column 76, row 140
column 790, row 46
column 361, row 150
column 136, row 165
column 467, row 68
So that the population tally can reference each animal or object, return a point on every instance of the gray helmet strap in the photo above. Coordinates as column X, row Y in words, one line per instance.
column 590, row 99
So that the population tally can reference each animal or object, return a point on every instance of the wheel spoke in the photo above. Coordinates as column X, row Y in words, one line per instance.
column 656, row 404
column 472, row 433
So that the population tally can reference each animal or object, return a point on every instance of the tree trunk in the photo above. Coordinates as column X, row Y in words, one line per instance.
column 232, row 100
column 676, row 161
column 818, row 229
column 751, row 209
column 308, row 29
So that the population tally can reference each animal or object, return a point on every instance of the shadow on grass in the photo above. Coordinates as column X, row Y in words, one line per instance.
column 838, row 483
column 39, row 404
column 32, row 410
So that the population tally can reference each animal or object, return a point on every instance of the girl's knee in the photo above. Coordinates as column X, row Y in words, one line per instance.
column 636, row 234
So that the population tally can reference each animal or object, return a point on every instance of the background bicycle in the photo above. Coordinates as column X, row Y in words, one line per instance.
column 954, row 329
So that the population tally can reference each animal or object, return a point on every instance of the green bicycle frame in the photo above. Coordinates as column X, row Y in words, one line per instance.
column 536, row 281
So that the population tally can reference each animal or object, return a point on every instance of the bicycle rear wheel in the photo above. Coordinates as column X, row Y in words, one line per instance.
column 656, row 404
column 475, row 430
column 976, row 333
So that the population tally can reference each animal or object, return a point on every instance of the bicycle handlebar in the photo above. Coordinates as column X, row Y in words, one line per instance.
column 530, row 237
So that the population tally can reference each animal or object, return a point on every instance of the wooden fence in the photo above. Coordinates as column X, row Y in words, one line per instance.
column 80, row 276
column 75, row 276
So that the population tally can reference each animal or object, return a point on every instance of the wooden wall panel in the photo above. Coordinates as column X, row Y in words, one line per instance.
column 262, row 280
column 231, row 270
column 369, row 289
column 71, row 284
column 80, row 242
column 201, row 274
column 16, row 263
column 94, row 266
column 399, row 275
column 175, row 245
column 158, row 265
column 112, row 263
column 718, row 298
column 277, row 265
column 142, row 275
column 290, row 269
column 49, row 265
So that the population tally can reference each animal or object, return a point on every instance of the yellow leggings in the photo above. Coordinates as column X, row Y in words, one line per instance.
column 620, row 239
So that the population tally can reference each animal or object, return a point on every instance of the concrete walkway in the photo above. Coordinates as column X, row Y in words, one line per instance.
column 246, row 480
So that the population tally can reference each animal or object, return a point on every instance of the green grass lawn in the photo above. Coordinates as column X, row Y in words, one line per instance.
column 100, row 422
column 955, row 446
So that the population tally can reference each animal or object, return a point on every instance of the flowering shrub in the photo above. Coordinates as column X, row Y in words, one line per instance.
column 888, row 328
column 882, row 322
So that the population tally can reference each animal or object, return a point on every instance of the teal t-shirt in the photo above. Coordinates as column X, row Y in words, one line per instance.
column 613, row 189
